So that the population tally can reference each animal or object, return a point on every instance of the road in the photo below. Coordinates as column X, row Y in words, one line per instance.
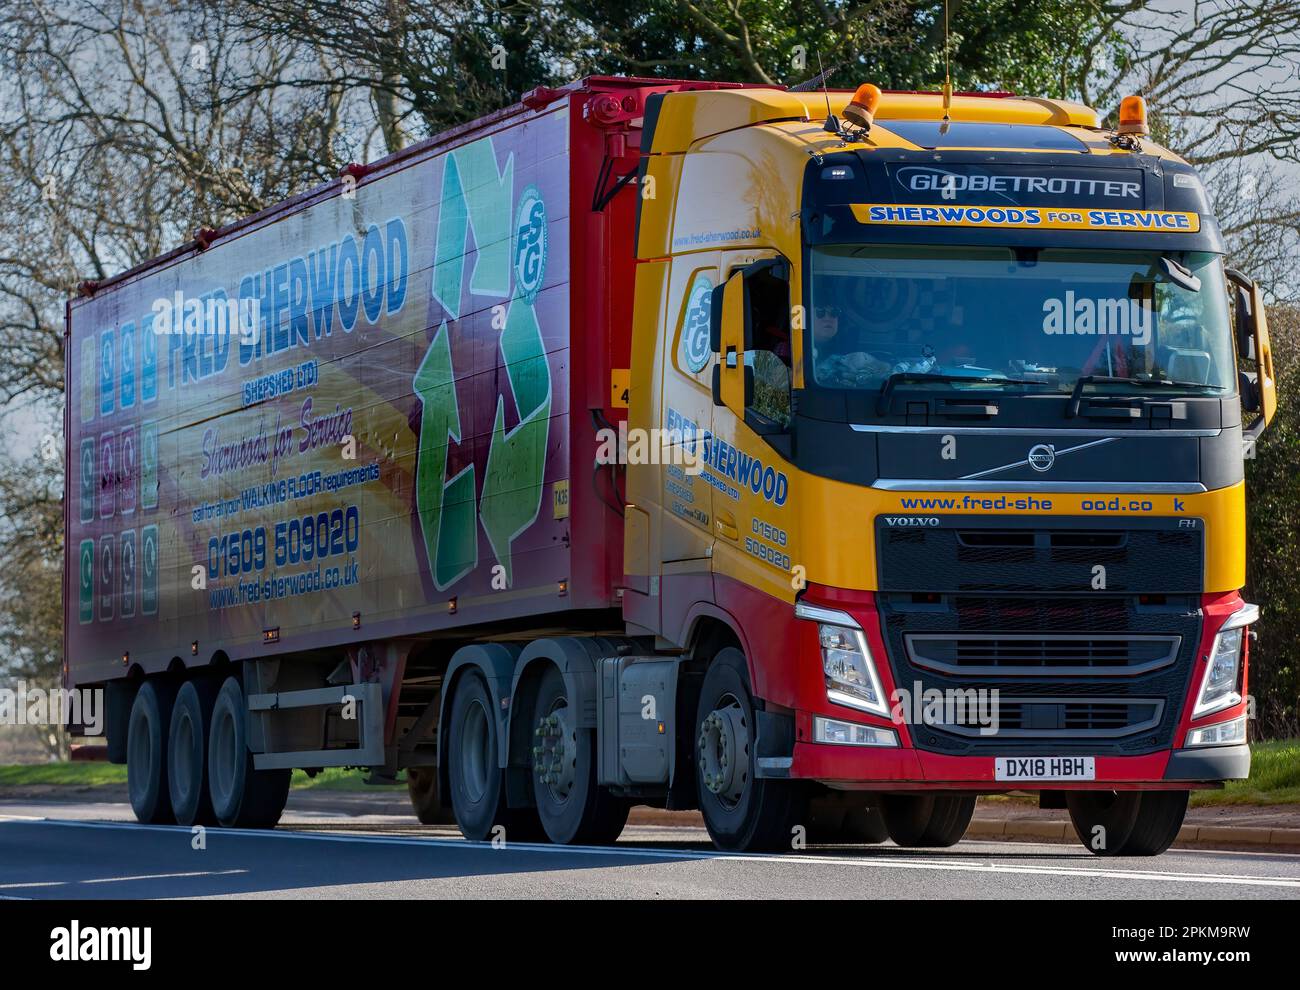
column 63, row 850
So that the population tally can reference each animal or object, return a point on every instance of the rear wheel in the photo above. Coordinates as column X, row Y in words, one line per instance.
column 572, row 808
column 741, row 811
column 187, row 753
column 927, row 821
column 1127, row 823
column 242, row 795
column 146, row 753
column 422, row 786
column 478, row 794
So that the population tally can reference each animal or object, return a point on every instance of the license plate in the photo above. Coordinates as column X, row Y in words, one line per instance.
column 1045, row 768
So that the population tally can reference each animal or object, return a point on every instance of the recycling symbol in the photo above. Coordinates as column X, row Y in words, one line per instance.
column 477, row 197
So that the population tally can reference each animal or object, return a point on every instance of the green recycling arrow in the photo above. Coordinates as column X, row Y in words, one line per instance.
column 512, row 482
column 446, row 506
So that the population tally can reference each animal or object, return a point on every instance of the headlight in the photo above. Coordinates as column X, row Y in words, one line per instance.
column 1223, row 734
column 851, row 677
column 1219, row 686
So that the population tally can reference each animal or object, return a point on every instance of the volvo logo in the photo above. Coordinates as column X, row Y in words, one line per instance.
column 1042, row 456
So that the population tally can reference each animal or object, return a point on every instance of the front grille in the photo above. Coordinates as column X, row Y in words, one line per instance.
column 1057, row 655
column 1060, row 689
column 967, row 556
column 1087, row 627
column 1055, row 718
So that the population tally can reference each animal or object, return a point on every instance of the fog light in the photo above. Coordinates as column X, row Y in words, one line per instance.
column 829, row 730
column 1226, row 733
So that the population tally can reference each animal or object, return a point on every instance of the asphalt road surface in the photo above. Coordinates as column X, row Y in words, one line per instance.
column 62, row 850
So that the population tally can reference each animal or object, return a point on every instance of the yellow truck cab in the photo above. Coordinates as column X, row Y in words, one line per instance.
column 961, row 478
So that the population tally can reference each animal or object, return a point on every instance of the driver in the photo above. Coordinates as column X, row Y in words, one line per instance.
column 838, row 359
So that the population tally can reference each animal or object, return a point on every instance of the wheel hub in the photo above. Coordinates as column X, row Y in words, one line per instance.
column 724, row 753
column 554, row 756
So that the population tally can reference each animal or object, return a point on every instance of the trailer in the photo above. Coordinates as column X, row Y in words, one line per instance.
column 526, row 461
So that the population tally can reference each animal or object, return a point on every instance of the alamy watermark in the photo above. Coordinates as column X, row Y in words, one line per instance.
column 1084, row 316
column 24, row 705
column 959, row 707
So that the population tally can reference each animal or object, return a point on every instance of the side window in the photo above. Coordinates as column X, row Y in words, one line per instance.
column 768, row 350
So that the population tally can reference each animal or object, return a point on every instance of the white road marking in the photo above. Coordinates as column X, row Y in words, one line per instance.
column 34, row 883
column 634, row 852
column 164, row 876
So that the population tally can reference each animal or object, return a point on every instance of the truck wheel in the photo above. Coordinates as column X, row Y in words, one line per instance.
column 187, row 753
column 741, row 811
column 1127, row 823
column 927, row 821
column 477, row 792
column 146, row 753
column 242, row 796
column 572, row 808
column 422, row 786
column 838, row 819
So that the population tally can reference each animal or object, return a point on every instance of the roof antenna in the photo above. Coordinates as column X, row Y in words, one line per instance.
column 947, row 76
column 832, row 126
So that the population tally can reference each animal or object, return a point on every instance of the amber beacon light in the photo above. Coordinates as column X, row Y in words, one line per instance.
column 1133, row 116
column 862, row 108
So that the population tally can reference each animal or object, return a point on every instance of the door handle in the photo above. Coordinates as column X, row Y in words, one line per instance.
column 726, row 523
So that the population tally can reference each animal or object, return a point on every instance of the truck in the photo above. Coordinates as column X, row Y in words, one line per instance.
column 817, row 460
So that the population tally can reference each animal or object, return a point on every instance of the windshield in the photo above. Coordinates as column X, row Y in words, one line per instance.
column 1040, row 317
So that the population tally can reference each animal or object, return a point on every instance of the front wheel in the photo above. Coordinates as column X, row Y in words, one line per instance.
column 927, row 821
column 1127, row 823
column 741, row 810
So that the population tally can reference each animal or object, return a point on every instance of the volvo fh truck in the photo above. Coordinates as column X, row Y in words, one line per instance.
column 820, row 461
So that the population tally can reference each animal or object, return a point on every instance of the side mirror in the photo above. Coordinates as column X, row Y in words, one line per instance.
column 1244, row 324
column 1253, row 345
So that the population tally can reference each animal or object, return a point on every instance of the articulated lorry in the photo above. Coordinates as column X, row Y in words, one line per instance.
column 819, row 460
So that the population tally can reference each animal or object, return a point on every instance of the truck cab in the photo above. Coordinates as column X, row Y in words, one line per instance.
column 961, row 388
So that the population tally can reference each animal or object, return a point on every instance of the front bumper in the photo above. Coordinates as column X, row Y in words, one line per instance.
column 863, row 768
column 1168, row 765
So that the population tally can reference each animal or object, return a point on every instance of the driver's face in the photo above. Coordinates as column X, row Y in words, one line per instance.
column 826, row 322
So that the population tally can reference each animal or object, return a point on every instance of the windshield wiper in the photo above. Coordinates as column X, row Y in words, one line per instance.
column 887, row 389
column 1076, row 395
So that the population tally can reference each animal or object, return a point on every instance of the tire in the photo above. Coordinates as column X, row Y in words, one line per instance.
column 572, row 808
column 741, row 811
column 835, row 819
column 422, row 787
column 1127, row 823
column 478, row 798
column 187, row 753
column 863, row 826
column 927, row 821
column 146, row 753
column 242, row 796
